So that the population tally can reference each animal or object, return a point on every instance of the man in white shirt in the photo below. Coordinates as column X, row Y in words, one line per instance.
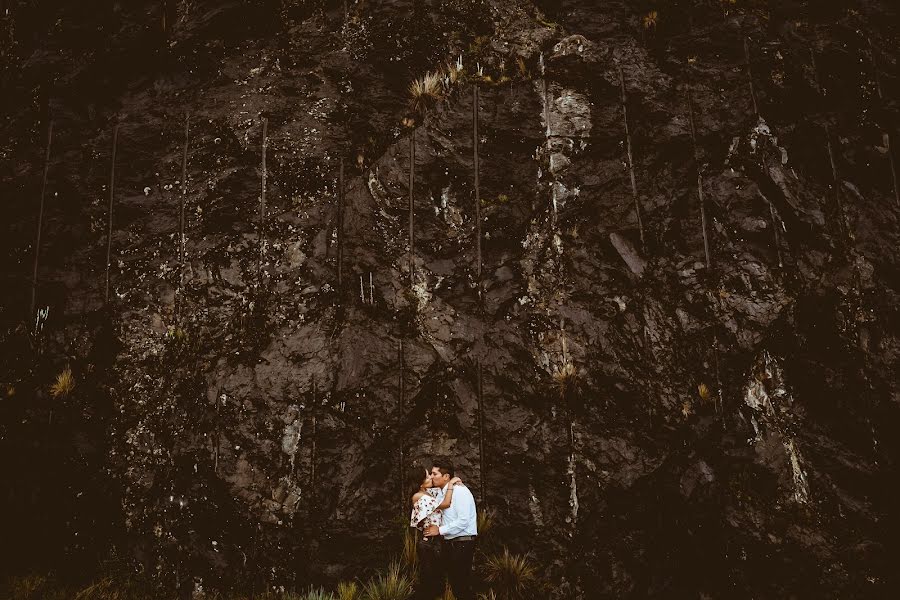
column 459, row 531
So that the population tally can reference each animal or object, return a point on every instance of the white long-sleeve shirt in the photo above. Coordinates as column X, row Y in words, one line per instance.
column 460, row 518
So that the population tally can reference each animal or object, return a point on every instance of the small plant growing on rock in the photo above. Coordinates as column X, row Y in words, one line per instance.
column 704, row 392
column 64, row 384
column 425, row 91
column 176, row 334
column 565, row 377
column 511, row 576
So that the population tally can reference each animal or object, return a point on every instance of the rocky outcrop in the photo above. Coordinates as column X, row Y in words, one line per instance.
column 652, row 425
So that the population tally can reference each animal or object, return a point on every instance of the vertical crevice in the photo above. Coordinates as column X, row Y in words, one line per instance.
column 401, row 385
column 40, row 223
column 477, row 189
column 181, row 243
column 634, row 192
column 482, row 465
column 262, row 202
column 750, row 76
column 112, row 195
column 412, row 237
column 699, row 180
column 340, row 229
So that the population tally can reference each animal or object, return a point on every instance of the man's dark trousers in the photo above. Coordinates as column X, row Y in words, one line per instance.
column 458, row 556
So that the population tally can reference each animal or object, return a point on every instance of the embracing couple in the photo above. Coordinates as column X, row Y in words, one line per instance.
column 443, row 510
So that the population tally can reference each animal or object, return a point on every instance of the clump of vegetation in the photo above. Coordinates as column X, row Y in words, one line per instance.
column 391, row 585
column 312, row 594
column 703, row 391
column 64, row 384
column 176, row 334
column 105, row 589
column 27, row 587
column 566, row 377
column 426, row 91
column 650, row 20
column 511, row 576
column 410, row 556
column 543, row 20
column 348, row 590
column 486, row 518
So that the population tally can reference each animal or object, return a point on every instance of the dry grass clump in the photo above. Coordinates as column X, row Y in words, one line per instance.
column 64, row 384
column 511, row 576
column 426, row 91
column 566, row 377
column 410, row 556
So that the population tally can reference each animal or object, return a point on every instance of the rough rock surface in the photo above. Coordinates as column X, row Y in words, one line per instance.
column 653, row 425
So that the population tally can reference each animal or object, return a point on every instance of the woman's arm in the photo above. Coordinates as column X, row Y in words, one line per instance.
column 448, row 497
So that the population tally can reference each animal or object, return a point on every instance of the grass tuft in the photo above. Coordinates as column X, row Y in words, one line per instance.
column 391, row 585
column 348, row 590
column 410, row 556
column 566, row 377
column 511, row 576
column 65, row 383
column 311, row 594
column 425, row 91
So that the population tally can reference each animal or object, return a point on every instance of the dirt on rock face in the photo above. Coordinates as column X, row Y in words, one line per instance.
column 681, row 393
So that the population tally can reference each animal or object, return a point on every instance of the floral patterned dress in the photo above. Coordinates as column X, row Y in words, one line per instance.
column 425, row 511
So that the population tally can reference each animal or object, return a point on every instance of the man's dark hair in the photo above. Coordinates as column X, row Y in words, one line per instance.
column 445, row 467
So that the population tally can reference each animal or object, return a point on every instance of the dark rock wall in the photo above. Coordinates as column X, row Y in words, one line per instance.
column 653, row 425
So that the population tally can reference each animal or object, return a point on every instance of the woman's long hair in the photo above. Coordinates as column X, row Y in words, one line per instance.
column 415, row 474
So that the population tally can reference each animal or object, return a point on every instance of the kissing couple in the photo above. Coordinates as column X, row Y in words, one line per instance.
column 443, row 510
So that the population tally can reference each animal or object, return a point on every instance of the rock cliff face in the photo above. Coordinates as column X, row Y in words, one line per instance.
column 675, row 375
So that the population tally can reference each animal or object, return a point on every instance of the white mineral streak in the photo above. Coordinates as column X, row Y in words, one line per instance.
column 768, row 398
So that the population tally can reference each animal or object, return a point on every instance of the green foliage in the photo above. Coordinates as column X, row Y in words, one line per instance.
column 391, row 585
column 486, row 520
column 311, row 594
column 30, row 587
column 177, row 334
column 511, row 576
column 46, row 587
column 105, row 589
column 410, row 556
column 348, row 590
